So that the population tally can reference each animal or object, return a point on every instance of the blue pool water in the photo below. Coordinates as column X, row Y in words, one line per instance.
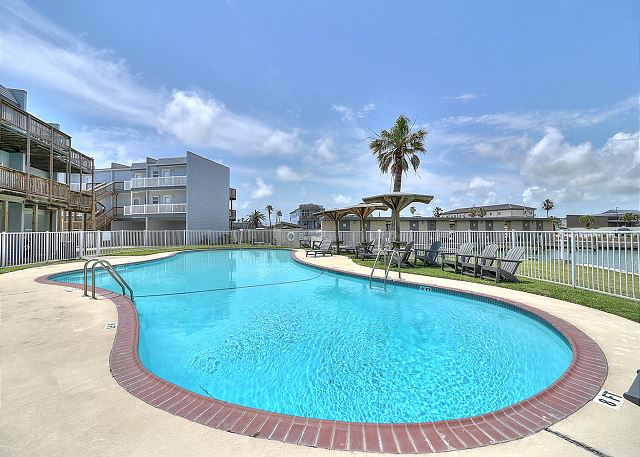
column 282, row 337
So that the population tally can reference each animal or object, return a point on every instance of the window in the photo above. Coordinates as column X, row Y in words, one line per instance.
column 155, row 173
column 499, row 213
column 155, row 199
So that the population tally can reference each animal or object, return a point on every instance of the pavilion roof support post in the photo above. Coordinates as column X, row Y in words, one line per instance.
column 396, row 202
column 335, row 215
column 362, row 211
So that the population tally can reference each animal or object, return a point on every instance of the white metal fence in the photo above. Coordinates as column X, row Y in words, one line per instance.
column 607, row 262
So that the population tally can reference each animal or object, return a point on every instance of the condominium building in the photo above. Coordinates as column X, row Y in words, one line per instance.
column 175, row 193
column 502, row 210
column 492, row 224
column 37, row 166
column 304, row 217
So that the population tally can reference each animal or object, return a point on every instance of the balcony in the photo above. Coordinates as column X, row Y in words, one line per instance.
column 160, row 181
column 162, row 208
column 42, row 190
column 19, row 127
column 232, row 193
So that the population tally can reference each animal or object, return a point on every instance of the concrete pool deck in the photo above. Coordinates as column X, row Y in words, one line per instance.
column 58, row 396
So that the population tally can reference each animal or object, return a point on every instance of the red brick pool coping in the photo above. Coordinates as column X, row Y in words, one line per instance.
column 576, row 387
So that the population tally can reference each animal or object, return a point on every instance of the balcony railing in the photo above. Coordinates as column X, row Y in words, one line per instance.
column 27, row 124
column 44, row 189
column 162, row 208
column 160, row 181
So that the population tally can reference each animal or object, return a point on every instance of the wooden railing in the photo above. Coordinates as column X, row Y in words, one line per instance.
column 43, row 132
column 35, row 186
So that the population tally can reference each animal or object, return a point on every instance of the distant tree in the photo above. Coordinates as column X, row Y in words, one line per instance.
column 587, row 220
column 256, row 218
column 278, row 216
column 269, row 209
column 630, row 217
column 412, row 210
column 482, row 212
column 437, row 211
column 473, row 212
column 393, row 147
column 547, row 205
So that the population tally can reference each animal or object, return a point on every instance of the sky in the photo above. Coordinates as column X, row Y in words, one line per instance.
column 522, row 100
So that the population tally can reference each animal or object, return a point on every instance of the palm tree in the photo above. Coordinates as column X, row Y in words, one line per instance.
column 630, row 217
column 473, row 212
column 269, row 209
column 437, row 211
column 412, row 210
column 393, row 147
column 547, row 205
column 482, row 212
column 256, row 218
column 587, row 220
column 278, row 215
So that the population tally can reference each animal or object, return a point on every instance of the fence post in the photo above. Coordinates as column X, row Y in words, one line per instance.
column 573, row 259
column 513, row 238
column 3, row 237
column 99, row 243
column 81, row 249
column 379, row 233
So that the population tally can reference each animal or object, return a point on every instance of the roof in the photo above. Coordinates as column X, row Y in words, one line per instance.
column 500, row 207
column 617, row 212
column 8, row 96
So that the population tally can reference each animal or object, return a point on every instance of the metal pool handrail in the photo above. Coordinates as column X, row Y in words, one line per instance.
column 109, row 269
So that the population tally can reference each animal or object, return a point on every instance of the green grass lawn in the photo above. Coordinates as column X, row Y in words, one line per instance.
column 623, row 307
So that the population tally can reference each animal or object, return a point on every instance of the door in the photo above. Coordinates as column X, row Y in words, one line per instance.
column 414, row 225
column 166, row 199
column 166, row 173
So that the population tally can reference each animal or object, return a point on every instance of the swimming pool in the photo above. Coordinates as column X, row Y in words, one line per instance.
column 255, row 328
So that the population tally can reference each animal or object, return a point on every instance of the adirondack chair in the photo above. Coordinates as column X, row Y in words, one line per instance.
column 462, row 255
column 365, row 250
column 472, row 265
column 430, row 255
column 324, row 249
column 504, row 267
column 406, row 254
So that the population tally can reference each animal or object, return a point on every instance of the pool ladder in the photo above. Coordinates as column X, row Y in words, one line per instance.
column 387, row 262
column 93, row 263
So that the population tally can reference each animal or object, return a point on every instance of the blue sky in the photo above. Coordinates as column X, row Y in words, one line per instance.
column 522, row 100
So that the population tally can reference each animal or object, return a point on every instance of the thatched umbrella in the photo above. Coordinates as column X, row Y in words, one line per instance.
column 363, row 211
column 396, row 202
column 335, row 214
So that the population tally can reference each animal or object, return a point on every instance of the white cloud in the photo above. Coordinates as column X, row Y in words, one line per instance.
column 479, row 183
column 262, row 189
column 349, row 115
column 100, row 83
column 285, row 173
column 323, row 150
column 342, row 200
column 199, row 120
column 582, row 172
column 539, row 120
column 464, row 97
column 36, row 50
